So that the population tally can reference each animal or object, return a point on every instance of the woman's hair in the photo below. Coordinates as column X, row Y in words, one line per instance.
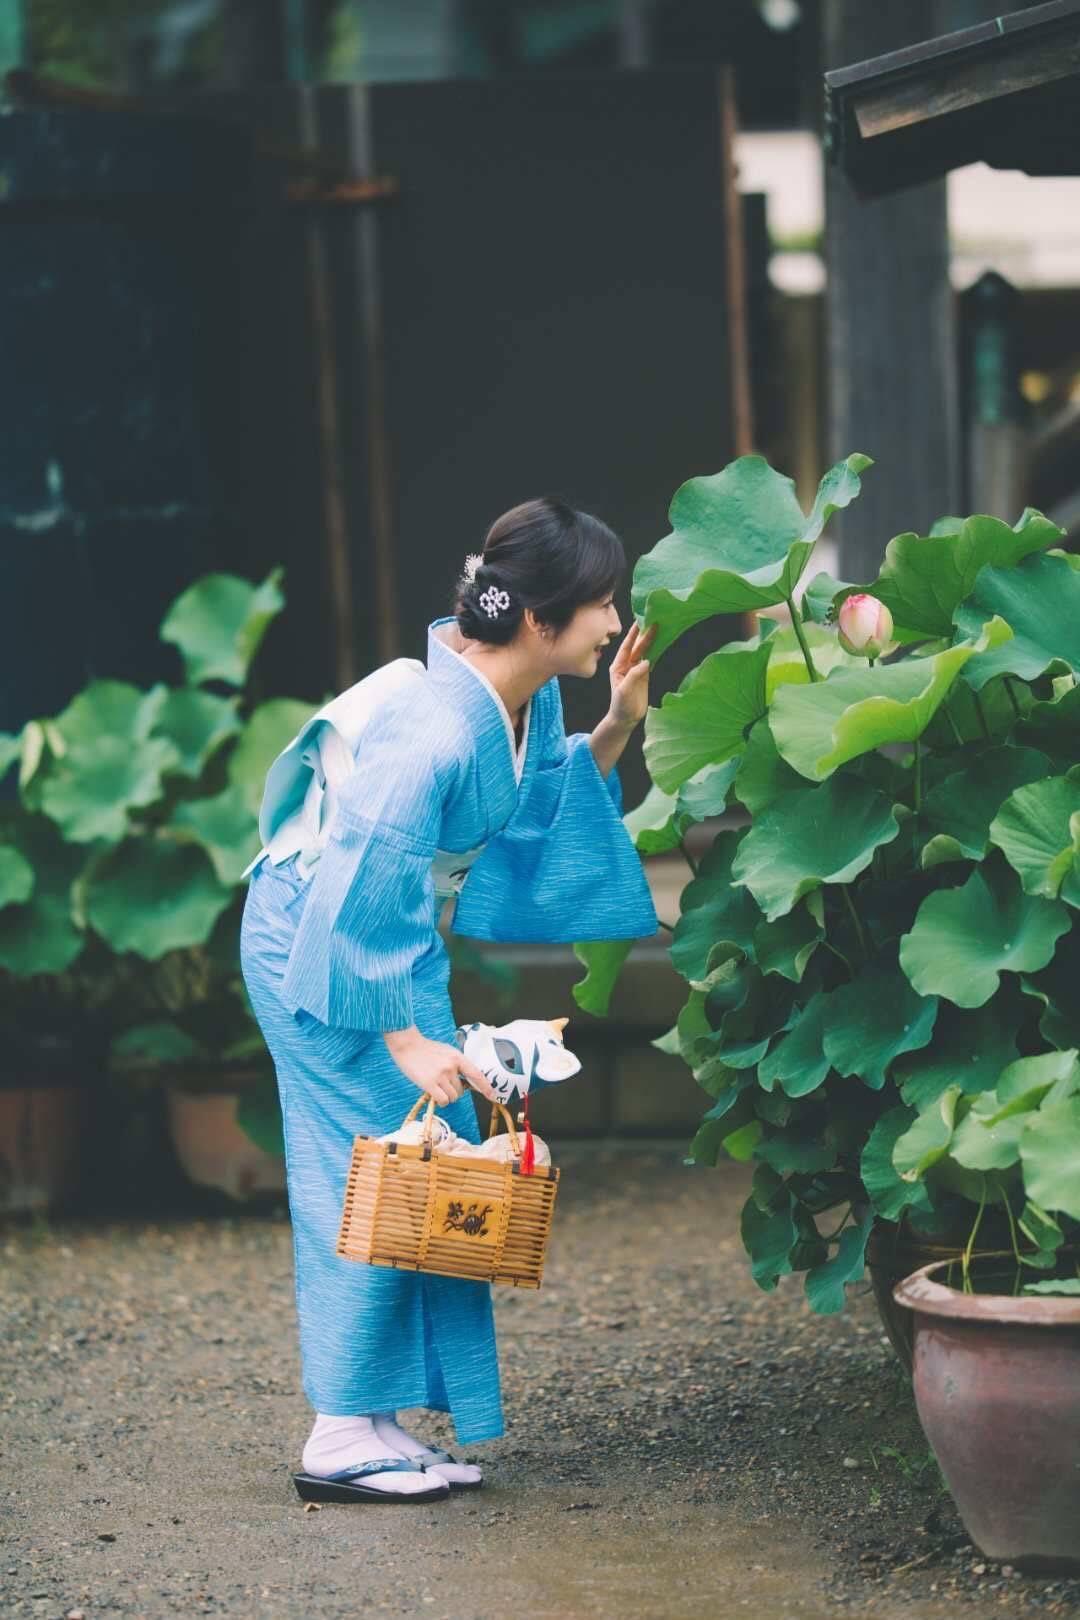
column 543, row 555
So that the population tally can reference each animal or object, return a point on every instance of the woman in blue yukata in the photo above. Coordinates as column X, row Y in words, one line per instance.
column 454, row 778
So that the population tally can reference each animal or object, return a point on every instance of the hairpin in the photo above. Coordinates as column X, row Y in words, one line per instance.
column 494, row 601
column 472, row 563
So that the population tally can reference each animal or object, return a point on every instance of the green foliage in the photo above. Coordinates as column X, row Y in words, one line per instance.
column 121, row 856
column 882, row 965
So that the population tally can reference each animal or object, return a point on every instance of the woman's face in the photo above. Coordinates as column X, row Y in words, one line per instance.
column 578, row 649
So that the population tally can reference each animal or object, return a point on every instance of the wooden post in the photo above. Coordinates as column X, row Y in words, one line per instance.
column 890, row 322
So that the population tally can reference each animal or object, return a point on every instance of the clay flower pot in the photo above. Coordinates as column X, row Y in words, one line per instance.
column 214, row 1150
column 997, row 1386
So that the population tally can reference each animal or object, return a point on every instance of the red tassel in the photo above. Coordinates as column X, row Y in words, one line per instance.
column 528, row 1152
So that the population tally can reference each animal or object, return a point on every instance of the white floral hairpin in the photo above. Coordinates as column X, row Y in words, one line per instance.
column 472, row 563
column 494, row 601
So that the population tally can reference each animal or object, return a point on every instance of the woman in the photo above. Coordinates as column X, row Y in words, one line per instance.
column 464, row 783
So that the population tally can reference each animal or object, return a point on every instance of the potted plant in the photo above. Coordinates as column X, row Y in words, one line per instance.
column 135, row 818
column 886, row 919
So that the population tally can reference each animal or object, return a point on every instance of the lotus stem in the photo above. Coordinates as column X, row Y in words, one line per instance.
column 981, row 712
column 969, row 1246
column 954, row 728
column 856, row 921
column 811, row 669
column 690, row 861
column 918, row 775
column 1012, row 698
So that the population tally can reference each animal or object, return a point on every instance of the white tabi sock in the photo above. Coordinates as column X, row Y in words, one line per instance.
column 342, row 1442
column 388, row 1429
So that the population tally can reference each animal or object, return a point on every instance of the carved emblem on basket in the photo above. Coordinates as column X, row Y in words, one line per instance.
column 471, row 1221
column 456, row 1217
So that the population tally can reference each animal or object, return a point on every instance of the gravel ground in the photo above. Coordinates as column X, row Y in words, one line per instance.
column 679, row 1443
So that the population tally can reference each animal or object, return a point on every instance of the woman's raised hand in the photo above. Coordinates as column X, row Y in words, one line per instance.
column 435, row 1066
column 629, row 672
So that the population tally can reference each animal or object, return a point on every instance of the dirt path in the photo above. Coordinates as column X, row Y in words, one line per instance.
column 680, row 1444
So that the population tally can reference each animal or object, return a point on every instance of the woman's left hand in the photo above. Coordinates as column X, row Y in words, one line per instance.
column 630, row 677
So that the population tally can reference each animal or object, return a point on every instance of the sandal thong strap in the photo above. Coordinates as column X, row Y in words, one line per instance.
column 379, row 1465
column 428, row 1459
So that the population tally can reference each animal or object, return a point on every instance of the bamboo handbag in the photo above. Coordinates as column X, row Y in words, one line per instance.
column 458, row 1216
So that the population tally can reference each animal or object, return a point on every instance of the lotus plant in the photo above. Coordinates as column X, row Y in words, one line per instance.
column 882, row 942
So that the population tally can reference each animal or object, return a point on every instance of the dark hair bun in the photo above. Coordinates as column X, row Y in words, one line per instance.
column 485, row 609
column 542, row 555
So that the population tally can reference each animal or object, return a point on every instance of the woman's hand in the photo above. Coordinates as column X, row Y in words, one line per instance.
column 630, row 677
column 435, row 1066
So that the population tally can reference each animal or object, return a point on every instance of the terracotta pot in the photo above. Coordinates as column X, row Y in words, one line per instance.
column 41, row 1127
column 997, row 1386
column 214, row 1150
column 893, row 1253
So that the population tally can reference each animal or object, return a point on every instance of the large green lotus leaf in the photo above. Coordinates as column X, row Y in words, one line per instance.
column 797, row 1062
column 603, row 959
column 768, row 1235
column 41, row 936
column 713, row 912
column 792, row 1151
column 739, row 541
column 90, row 792
column 980, row 1142
column 958, row 812
column 706, row 792
column 964, row 939
column 971, row 1047
column 226, row 829
column 110, row 709
column 819, row 598
column 1026, row 1082
column 154, row 895
column 1054, row 726
column 926, row 1141
column 786, row 945
column 818, row 727
column 924, row 578
column 1037, row 830
column 1050, row 1155
column 656, row 824
column 196, row 723
column 16, row 877
column 218, row 624
column 826, row 834
column 825, row 1283
column 660, row 821
column 270, row 728
column 706, row 721
column 873, row 1020
column 160, row 1045
column 885, row 1188
column 1040, row 601
column 762, row 775
column 1055, row 986
column 787, row 666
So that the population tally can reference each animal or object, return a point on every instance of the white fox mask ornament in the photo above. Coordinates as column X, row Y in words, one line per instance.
column 522, row 1056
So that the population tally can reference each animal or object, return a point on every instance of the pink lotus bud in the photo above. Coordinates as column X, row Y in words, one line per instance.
column 865, row 626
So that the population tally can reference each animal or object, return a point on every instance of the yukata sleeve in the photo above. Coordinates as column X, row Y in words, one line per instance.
column 370, row 913
column 564, row 868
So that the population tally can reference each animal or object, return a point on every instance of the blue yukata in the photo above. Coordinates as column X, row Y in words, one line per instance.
column 438, row 801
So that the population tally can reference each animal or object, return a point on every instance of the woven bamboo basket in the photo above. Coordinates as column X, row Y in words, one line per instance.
column 421, row 1210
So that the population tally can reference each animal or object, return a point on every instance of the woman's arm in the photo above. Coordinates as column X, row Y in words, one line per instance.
column 607, row 742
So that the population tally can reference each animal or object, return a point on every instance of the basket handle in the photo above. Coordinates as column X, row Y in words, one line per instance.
column 496, row 1109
